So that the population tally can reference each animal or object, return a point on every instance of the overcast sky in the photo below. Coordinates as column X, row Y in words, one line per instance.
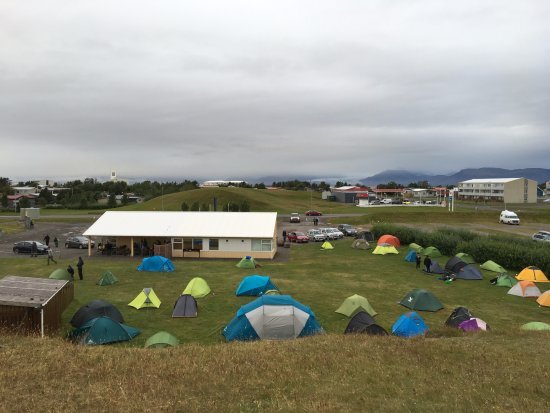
column 233, row 89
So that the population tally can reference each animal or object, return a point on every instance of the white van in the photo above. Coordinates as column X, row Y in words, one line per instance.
column 509, row 217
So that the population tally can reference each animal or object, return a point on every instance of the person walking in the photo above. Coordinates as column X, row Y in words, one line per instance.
column 70, row 270
column 47, row 240
column 79, row 266
column 34, row 249
column 418, row 259
column 284, row 236
column 56, row 242
column 50, row 256
column 428, row 263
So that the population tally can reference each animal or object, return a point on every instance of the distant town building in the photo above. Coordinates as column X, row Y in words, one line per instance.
column 215, row 183
column 348, row 194
column 24, row 190
column 509, row 190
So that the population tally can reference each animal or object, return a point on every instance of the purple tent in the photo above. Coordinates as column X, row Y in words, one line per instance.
column 473, row 324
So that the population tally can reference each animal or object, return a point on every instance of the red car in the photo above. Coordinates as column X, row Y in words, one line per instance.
column 313, row 213
column 296, row 236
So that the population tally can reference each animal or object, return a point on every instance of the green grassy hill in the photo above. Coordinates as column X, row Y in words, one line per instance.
column 260, row 200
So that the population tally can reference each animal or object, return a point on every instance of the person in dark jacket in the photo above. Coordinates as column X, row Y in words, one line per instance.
column 47, row 240
column 70, row 270
column 418, row 259
column 428, row 264
column 79, row 266
column 34, row 249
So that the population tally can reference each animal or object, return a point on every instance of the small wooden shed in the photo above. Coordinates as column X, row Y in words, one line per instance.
column 33, row 305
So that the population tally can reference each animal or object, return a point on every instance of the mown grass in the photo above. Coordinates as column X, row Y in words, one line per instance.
column 446, row 370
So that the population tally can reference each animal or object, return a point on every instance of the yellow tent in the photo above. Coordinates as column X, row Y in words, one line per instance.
column 532, row 274
column 197, row 287
column 544, row 299
column 327, row 246
column 385, row 249
column 146, row 298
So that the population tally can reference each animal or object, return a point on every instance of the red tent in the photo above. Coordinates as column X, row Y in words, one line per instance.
column 389, row 239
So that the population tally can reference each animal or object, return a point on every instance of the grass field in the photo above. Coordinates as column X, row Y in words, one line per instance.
column 332, row 372
column 501, row 370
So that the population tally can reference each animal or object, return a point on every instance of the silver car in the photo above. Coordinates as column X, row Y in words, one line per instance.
column 316, row 235
column 543, row 236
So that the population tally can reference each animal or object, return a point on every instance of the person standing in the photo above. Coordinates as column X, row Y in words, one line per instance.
column 34, row 249
column 428, row 263
column 79, row 266
column 284, row 236
column 418, row 259
column 56, row 242
column 50, row 256
column 47, row 240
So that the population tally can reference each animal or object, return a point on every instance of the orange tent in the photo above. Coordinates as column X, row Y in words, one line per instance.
column 544, row 299
column 389, row 239
column 525, row 289
column 532, row 274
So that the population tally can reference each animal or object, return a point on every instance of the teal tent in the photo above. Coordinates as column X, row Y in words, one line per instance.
column 422, row 300
column 103, row 330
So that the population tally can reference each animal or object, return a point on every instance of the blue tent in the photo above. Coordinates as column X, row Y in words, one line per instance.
column 409, row 325
column 255, row 285
column 272, row 317
column 156, row 263
column 411, row 256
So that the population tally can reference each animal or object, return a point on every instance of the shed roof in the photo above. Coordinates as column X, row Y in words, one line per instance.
column 185, row 224
column 28, row 291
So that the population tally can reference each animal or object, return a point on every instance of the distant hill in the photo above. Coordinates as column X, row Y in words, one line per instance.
column 405, row 177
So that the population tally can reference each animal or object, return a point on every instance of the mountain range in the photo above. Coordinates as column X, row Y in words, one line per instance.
column 405, row 177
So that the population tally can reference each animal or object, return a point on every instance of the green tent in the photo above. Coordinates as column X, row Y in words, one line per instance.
column 354, row 304
column 505, row 280
column 162, row 339
column 421, row 300
column 467, row 258
column 415, row 247
column 103, row 330
column 60, row 274
column 536, row 326
column 431, row 252
column 327, row 246
column 107, row 278
column 247, row 262
column 146, row 298
column 385, row 249
column 492, row 266
column 197, row 287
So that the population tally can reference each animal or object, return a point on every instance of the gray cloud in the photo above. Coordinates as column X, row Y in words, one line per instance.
column 230, row 89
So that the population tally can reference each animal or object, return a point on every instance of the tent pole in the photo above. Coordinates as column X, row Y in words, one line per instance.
column 42, row 322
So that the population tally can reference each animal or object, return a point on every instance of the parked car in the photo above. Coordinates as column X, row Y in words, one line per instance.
column 386, row 201
column 316, row 235
column 78, row 242
column 312, row 213
column 407, row 202
column 397, row 201
column 25, row 247
column 297, row 236
column 336, row 234
column 329, row 234
column 509, row 217
column 374, row 202
column 543, row 236
column 294, row 217
column 347, row 230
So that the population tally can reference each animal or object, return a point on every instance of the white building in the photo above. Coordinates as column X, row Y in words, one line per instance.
column 509, row 190
column 207, row 184
column 202, row 234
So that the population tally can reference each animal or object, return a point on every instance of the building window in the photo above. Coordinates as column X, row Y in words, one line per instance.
column 261, row 245
column 177, row 243
column 213, row 244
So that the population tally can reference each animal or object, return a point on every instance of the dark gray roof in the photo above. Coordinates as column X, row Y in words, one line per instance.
column 28, row 291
